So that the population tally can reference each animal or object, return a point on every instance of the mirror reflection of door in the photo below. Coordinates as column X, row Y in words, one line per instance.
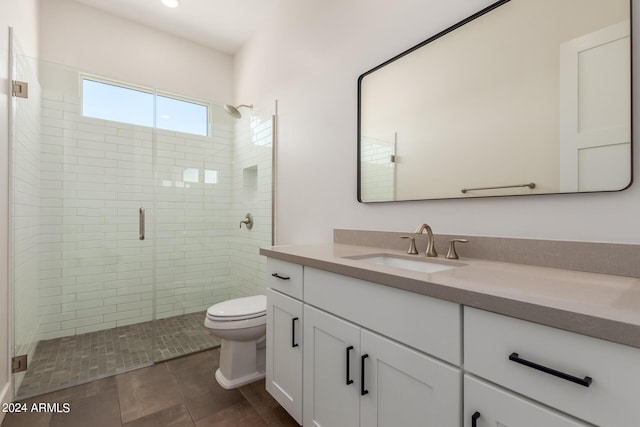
column 595, row 134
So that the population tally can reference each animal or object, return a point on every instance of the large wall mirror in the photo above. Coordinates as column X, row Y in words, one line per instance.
column 524, row 97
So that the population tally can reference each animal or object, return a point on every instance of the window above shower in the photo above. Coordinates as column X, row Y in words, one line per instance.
column 108, row 100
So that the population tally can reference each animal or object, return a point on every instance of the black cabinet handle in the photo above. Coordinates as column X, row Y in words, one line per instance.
column 474, row 419
column 293, row 332
column 363, row 390
column 280, row 277
column 349, row 380
column 586, row 381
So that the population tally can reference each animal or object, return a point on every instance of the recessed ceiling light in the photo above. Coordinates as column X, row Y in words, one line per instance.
column 171, row 3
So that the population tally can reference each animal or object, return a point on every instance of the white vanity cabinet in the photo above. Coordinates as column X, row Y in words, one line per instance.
column 427, row 324
column 284, row 335
column 354, row 377
column 372, row 355
column 368, row 358
column 284, row 352
column 594, row 380
column 348, row 352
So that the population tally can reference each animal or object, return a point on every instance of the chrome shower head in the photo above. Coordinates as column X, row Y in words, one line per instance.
column 234, row 110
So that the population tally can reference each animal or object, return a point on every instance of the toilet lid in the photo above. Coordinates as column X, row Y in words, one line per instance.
column 239, row 308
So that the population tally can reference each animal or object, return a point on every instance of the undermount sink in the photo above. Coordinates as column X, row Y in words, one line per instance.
column 417, row 264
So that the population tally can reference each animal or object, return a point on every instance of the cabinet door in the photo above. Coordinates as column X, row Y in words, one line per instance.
column 494, row 407
column 406, row 388
column 331, row 375
column 284, row 352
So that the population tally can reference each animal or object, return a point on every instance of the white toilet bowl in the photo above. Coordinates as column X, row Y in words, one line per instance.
column 241, row 325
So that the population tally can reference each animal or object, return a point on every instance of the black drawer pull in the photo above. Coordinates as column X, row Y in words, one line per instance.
column 349, row 380
column 363, row 390
column 293, row 332
column 474, row 419
column 280, row 277
column 586, row 381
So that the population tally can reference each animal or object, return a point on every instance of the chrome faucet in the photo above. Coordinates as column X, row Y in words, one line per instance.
column 431, row 249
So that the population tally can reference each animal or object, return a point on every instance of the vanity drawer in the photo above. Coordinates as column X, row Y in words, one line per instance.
column 285, row 277
column 424, row 323
column 492, row 406
column 517, row 354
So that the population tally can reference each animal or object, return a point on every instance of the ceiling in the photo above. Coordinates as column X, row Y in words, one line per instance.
column 224, row 25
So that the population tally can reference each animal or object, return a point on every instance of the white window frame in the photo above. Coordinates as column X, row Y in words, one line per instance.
column 145, row 89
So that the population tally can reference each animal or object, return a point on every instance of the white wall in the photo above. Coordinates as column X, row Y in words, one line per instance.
column 94, row 41
column 22, row 15
column 310, row 55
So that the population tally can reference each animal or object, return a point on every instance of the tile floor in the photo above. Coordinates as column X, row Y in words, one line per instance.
column 180, row 392
column 68, row 361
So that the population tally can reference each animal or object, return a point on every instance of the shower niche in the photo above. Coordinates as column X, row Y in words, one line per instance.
column 250, row 184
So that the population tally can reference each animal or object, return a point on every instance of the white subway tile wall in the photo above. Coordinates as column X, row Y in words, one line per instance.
column 376, row 170
column 192, row 221
column 99, row 174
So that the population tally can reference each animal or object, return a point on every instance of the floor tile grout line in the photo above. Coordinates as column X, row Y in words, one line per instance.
column 180, row 335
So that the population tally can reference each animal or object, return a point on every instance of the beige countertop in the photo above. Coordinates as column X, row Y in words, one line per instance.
column 598, row 305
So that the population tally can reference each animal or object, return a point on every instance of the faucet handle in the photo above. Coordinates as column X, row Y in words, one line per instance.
column 247, row 221
column 451, row 253
column 412, row 245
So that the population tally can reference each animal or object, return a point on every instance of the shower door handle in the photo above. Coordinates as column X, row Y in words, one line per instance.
column 141, row 220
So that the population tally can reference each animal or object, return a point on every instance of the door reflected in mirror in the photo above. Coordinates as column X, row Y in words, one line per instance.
column 525, row 97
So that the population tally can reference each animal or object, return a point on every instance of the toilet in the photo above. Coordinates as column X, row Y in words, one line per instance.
column 241, row 325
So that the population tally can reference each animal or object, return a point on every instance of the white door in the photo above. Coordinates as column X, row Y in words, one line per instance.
column 406, row 388
column 284, row 352
column 488, row 406
column 595, row 111
column 331, row 374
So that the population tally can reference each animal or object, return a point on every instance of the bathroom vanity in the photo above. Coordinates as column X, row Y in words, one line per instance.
column 353, row 340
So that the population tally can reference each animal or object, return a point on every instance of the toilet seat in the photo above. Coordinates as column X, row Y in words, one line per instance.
column 238, row 313
column 235, row 324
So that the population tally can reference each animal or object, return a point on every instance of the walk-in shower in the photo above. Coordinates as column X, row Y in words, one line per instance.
column 90, row 298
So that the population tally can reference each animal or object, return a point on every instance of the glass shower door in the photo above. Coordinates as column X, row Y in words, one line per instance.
column 193, row 199
column 82, row 275
column 24, row 207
